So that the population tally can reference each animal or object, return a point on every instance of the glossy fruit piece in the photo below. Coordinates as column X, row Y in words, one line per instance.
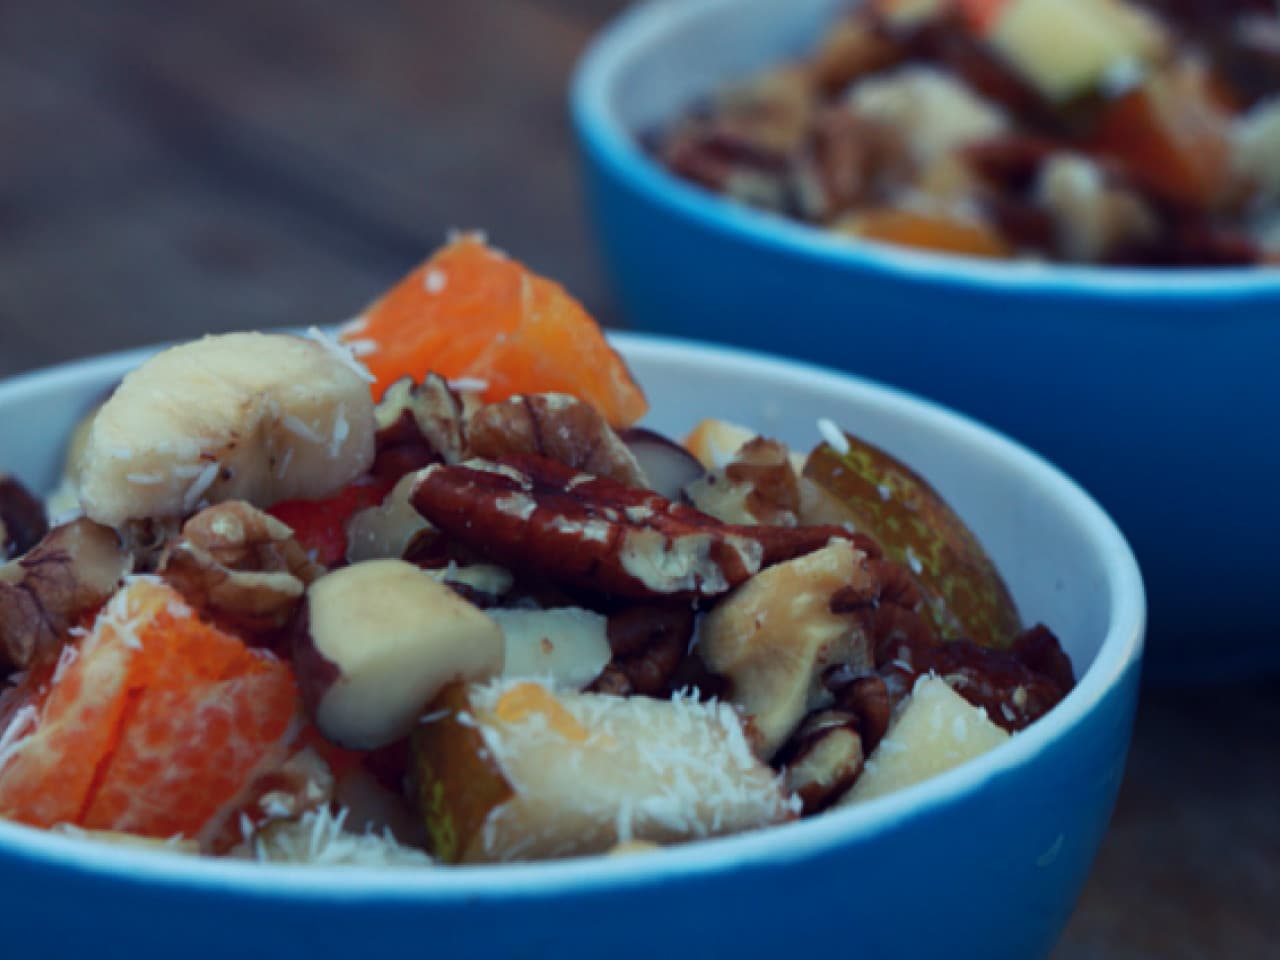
column 1172, row 135
column 158, row 726
column 897, row 507
column 471, row 311
column 321, row 525
column 907, row 228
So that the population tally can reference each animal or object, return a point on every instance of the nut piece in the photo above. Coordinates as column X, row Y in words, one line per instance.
column 22, row 519
column 530, row 513
column 377, row 643
column 245, row 416
column 649, row 645
column 66, row 575
column 823, row 759
column 512, row 770
column 935, row 731
column 558, row 427
column 240, row 565
column 780, row 631
column 759, row 485
column 430, row 417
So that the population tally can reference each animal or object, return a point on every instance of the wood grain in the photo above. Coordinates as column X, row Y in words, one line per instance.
column 172, row 168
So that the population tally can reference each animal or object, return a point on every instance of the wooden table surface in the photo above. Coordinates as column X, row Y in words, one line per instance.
column 172, row 168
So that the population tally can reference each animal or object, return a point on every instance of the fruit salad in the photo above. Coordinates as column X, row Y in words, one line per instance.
column 1126, row 132
column 426, row 593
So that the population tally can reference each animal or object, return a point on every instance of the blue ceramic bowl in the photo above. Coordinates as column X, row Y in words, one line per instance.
column 1158, row 391
column 985, row 861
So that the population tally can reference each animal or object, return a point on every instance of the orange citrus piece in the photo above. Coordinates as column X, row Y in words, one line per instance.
column 159, row 725
column 471, row 311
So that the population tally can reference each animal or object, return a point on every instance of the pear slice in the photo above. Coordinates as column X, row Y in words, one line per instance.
column 885, row 499
column 513, row 770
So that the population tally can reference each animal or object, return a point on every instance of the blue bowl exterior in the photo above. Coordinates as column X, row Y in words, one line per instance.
column 990, row 873
column 1165, row 408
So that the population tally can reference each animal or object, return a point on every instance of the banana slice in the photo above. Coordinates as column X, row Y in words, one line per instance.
column 243, row 416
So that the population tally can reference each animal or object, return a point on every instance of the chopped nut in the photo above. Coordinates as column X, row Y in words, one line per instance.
column 531, row 513
column 421, row 423
column 558, row 427
column 388, row 529
column 823, row 759
column 776, row 636
column 240, row 565
column 648, row 644
column 759, row 485
column 22, row 519
column 73, row 570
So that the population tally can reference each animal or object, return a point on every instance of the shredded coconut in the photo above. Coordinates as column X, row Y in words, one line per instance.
column 469, row 385
column 833, row 435
column 434, row 280
column 341, row 353
column 20, row 726
column 296, row 426
column 200, row 486
column 341, row 430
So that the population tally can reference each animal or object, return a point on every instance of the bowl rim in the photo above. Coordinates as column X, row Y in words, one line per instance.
column 1118, row 655
column 608, row 142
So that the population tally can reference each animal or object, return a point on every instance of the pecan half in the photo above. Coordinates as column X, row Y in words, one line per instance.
column 822, row 759
column 65, row 576
column 532, row 514
column 556, row 426
column 22, row 519
column 240, row 565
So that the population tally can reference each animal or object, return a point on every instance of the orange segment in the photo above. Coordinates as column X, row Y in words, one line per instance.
column 160, row 726
column 473, row 312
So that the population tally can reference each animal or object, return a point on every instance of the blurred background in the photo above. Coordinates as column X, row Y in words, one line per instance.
column 174, row 168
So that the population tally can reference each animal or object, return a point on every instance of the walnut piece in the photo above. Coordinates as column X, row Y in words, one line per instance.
column 776, row 636
column 240, row 565
column 759, row 485
column 68, row 574
column 532, row 514
column 421, row 423
column 822, row 759
column 558, row 427
column 22, row 519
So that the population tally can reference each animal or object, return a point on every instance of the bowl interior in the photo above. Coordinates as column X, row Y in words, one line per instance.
column 1066, row 564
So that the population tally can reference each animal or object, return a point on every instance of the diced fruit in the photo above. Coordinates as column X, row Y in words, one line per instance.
column 381, row 639
column 898, row 508
column 924, row 231
column 1173, row 137
column 472, row 312
column 1067, row 47
column 777, row 633
column 936, row 731
column 159, row 725
column 567, row 646
column 511, row 770
column 244, row 416
column 320, row 526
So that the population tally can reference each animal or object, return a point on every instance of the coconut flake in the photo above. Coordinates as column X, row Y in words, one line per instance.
column 19, row 728
column 434, row 280
column 833, row 435
column 341, row 353
column 200, row 486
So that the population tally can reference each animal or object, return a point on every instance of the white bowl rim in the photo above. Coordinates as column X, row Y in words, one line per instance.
column 1120, row 651
column 648, row 24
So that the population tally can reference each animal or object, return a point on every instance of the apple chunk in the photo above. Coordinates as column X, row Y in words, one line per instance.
column 512, row 770
column 936, row 730
column 379, row 641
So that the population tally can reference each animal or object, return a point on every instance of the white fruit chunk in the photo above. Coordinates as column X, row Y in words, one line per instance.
column 1068, row 47
column 937, row 729
column 776, row 634
column 382, row 639
column 244, row 416
column 591, row 771
column 567, row 646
